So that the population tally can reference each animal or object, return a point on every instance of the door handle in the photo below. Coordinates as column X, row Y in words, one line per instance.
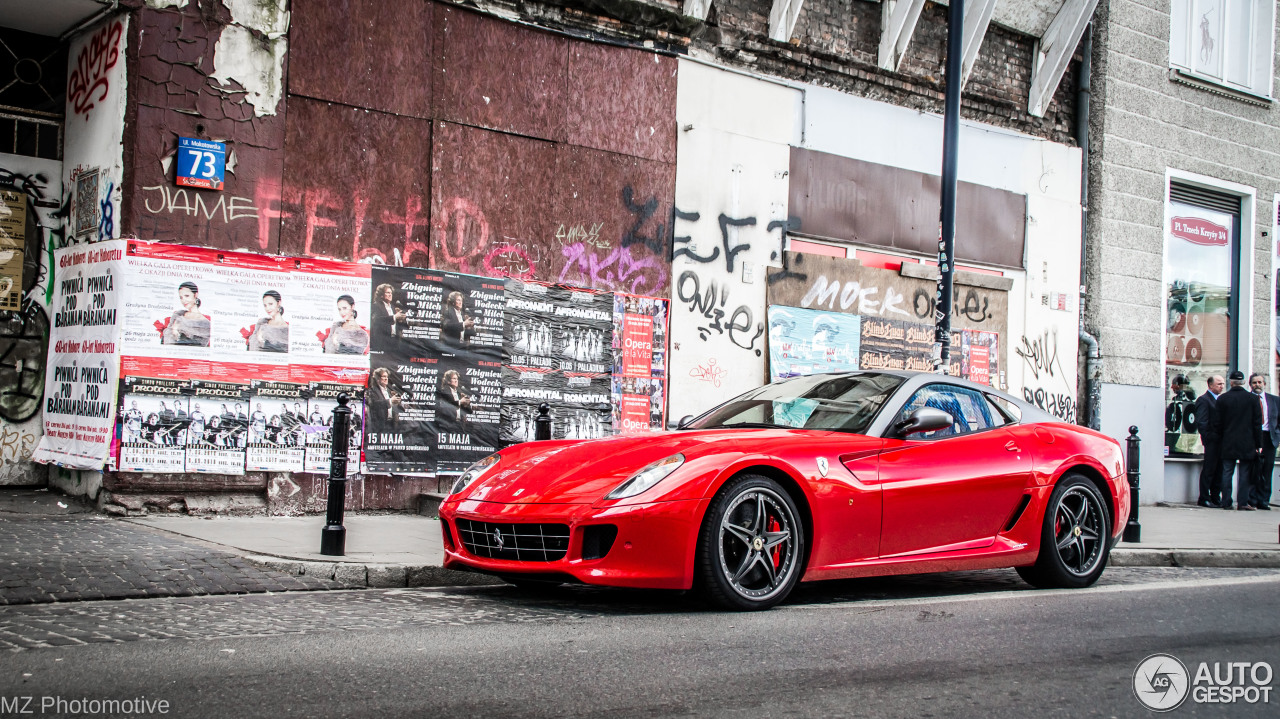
column 1011, row 446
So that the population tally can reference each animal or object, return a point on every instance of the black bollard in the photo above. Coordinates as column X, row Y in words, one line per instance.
column 542, row 425
column 333, row 538
column 1133, row 530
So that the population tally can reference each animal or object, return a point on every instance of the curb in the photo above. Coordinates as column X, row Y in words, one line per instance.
column 1222, row 558
column 374, row 576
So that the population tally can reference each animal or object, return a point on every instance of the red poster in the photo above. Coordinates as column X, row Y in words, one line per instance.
column 635, row 413
column 980, row 364
column 637, row 345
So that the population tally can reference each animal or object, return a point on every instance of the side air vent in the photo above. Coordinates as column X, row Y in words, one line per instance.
column 1017, row 513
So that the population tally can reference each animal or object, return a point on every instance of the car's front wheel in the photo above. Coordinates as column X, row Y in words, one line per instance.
column 751, row 545
column 1074, row 540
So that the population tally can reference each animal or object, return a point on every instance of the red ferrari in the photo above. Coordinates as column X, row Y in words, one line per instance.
column 821, row 477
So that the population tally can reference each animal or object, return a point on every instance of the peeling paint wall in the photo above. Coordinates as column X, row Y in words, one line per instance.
column 214, row 71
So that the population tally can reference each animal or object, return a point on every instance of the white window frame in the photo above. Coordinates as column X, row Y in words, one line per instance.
column 1183, row 39
column 1245, row 282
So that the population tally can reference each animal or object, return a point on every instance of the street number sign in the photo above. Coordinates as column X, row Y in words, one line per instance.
column 201, row 163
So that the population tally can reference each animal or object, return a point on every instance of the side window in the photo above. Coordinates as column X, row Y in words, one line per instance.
column 969, row 410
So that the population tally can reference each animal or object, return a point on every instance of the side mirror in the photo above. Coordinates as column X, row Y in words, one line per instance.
column 684, row 421
column 925, row 419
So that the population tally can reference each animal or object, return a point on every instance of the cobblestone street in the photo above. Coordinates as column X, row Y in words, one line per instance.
column 76, row 557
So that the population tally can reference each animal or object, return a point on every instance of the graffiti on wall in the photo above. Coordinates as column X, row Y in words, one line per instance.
column 1050, row 390
column 88, row 81
column 23, row 350
column 711, row 303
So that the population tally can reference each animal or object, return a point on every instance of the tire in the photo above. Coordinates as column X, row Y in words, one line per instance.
column 751, row 546
column 1075, row 539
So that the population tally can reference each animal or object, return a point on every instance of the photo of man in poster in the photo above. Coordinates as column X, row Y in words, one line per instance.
column 456, row 326
column 454, row 404
column 382, row 401
column 389, row 318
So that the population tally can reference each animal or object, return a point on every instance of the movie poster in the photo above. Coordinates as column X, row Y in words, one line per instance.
column 980, row 357
column 639, row 363
column 153, row 425
column 435, row 389
column 805, row 342
column 318, row 426
column 217, row 427
column 276, row 414
column 558, row 350
column 82, row 373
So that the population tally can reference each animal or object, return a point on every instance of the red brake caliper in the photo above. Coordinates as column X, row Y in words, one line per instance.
column 772, row 525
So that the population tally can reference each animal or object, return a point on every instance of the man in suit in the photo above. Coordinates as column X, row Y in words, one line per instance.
column 1211, row 469
column 456, row 326
column 388, row 320
column 453, row 406
column 1270, row 404
column 1239, row 429
column 382, row 403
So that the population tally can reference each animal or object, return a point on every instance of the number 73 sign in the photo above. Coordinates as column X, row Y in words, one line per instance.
column 201, row 163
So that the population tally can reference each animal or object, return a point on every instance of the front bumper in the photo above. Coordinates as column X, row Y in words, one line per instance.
column 654, row 547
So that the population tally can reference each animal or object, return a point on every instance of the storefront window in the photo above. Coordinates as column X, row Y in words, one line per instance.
column 1199, row 249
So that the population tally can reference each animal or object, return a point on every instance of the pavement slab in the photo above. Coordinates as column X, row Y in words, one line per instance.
column 80, row 556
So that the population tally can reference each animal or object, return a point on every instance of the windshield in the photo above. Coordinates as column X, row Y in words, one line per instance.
column 844, row 403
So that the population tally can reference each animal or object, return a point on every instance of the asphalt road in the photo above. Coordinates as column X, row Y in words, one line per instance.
column 978, row 644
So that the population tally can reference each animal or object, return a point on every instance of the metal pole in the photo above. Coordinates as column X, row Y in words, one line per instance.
column 333, row 538
column 1133, row 530
column 950, row 143
column 542, row 425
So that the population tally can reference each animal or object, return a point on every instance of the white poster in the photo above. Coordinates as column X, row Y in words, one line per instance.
column 83, row 370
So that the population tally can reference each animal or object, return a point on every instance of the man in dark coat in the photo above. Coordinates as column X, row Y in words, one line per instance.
column 1239, row 427
column 1270, row 440
column 1211, row 469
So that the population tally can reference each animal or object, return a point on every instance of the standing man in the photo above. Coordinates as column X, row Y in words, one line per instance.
column 1270, row 439
column 1211, row 470
column 1239, row 427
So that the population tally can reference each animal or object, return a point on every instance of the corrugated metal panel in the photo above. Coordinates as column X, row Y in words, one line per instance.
column 491, row 73
column 356, row 184
column 360, row 52
column 493, row 201
column 622, row 101
column 865, row 202
column 1202, row 197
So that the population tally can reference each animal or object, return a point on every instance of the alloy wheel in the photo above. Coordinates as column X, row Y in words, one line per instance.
column 757, row 544
column 1078, row 532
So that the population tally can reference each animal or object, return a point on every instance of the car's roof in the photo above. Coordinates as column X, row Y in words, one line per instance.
column 915, row 379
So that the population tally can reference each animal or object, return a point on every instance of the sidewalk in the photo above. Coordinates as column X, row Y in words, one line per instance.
column 387, row 550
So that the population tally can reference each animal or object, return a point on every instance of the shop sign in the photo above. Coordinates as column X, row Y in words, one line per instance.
column 1199, row 231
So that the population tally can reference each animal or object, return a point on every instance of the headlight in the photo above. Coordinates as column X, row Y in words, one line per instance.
column 647, row 477
column 473, row 473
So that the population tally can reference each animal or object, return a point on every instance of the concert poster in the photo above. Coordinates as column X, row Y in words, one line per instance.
column 153, row 420
column 218, row 427
column 318, row 426
column 639, row 363
column 276, row 415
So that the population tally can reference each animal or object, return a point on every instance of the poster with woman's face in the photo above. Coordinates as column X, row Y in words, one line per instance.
column 226, row 308
column 331, row 323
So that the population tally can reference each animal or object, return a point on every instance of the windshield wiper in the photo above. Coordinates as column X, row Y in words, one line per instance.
column 753, row 425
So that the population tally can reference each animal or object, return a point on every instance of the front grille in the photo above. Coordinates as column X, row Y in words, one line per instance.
column 516, row 542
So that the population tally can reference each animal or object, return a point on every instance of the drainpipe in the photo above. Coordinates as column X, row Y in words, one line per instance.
column 1091, row 415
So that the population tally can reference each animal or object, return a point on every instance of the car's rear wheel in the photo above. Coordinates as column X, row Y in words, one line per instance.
column 1075, row 538
column 751, row 545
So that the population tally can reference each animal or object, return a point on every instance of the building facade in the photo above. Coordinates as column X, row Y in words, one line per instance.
column 1182, row 217
column 748, row 162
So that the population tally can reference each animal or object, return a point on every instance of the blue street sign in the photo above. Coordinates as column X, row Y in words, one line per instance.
column 201, row 163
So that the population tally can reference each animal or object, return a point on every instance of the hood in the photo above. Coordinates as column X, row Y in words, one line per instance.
column 583, row 472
